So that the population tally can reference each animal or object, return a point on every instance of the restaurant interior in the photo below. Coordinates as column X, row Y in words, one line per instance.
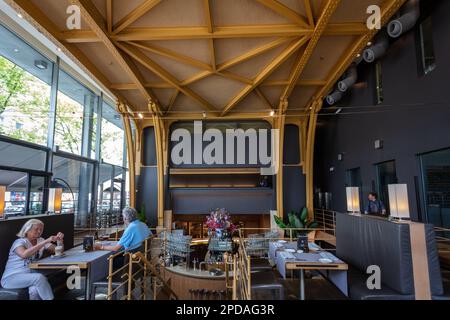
column 274, row 149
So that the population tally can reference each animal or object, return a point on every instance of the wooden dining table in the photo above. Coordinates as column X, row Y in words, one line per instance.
column 286, row 256
column 94, row 262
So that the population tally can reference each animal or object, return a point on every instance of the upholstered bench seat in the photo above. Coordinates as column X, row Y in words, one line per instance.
column 358, row 290
column 364, row 241
column 14, row 294
column 56, row 278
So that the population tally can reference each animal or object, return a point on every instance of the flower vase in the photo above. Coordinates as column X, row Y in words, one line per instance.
column 219, row 233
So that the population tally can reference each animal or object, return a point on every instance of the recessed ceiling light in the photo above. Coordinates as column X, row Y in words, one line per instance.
column 338, row 111
column 358, row 55
column 369, row 43
column 204, row 115
column 141, row 116
column 41, row 64
column 58, row 49
column 272, row 113
column 20, row 15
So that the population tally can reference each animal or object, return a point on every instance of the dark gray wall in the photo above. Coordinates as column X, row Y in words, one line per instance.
column 147, row 181
column 236, row 200
column 294, row 182
column 52, row 225
column 414, row 118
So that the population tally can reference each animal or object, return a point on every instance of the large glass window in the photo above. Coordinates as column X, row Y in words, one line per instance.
column 424, row 39
column 379, row 83
column 386, row 174
column 112, row 139
column 26, row 77
column 436, row 187
column 25, row 81
column 70, row 114
column 75, row 178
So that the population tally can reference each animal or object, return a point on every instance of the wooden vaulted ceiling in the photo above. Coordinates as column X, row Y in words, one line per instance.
column 217, row 56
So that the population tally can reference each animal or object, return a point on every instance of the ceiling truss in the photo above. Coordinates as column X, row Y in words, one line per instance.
column 133, row 46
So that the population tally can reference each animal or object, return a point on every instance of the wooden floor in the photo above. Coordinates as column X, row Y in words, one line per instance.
column 316, row 288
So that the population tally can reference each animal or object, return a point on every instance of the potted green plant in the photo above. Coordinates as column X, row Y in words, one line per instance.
column 141, row 214
column 298, row 221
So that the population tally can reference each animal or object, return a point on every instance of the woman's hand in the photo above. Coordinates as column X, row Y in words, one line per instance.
column 51, row 239
column 60, row 236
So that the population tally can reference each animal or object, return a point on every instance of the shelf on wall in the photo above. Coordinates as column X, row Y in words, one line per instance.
column 191, row 171
column 212, row 186
column 222, row 189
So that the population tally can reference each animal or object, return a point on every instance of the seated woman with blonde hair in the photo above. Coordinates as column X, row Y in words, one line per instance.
column 25, row 250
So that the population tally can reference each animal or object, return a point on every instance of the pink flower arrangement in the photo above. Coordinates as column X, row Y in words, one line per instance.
column 220, row 219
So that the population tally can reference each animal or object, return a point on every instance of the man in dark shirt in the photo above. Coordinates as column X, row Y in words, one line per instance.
column 374, row 206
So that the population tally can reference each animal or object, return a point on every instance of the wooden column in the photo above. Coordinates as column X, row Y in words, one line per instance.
column 421, row 272
column 130, row 152
column 279, row 124
column 309, row 159
column 303, row 143
column 158, row 124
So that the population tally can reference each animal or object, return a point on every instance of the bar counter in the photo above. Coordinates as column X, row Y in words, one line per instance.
column 188, row 283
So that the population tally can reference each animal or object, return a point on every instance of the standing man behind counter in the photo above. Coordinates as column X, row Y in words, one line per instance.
column 374, row 206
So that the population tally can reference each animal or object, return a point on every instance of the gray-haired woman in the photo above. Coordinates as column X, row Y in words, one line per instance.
column 28, row 248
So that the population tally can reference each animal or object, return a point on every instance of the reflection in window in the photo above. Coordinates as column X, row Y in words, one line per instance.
column 104, row 193
column 25, row 80
column 427, row 61
column 127, row 189
column 37, row 186
column 379, row 83
column 112, row 140
column 119, row 185
column 75, row 178
column 16, row 192
column 110, row 190
column 386, row 174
